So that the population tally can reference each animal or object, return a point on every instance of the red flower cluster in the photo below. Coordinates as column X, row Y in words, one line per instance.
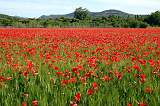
column 88, row 60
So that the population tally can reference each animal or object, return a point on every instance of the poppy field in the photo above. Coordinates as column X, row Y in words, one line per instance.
column 79, row 67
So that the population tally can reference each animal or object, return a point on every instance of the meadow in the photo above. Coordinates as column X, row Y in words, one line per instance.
column 79, row 67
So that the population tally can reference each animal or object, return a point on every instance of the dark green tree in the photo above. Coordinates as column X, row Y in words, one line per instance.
column 154, row 19
column 81, row 13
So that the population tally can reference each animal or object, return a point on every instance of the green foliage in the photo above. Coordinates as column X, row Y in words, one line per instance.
column 81, row 13
column 137, row 24
column 154, row 19
column 18, row 25
column 5, row 22
column 143, row 25
column 111, row 21
column 133, row 24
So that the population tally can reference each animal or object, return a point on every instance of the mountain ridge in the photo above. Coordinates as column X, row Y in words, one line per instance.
column 104, row 13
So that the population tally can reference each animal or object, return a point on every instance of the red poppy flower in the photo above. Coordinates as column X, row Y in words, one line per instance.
column 129, row 104
column 143, row 77
column 77, row 97
column 56, row 68
column 147, row 90
column 136, row 67
column 90, row 91
column 94, row 84
column 152, row 63
column 24, row 104
column 106, row 78
column 35, row 102
column 142, row 104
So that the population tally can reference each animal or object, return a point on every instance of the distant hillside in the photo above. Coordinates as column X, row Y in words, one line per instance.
column 3, row 16
column 110, row 12
column 71, row 15
column 125, row 20
column 105, row 13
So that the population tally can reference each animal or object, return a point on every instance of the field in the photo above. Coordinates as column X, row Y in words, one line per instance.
column 80, row 67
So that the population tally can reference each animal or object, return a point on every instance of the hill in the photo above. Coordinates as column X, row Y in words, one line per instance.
column 3, row 16
column 106, row 13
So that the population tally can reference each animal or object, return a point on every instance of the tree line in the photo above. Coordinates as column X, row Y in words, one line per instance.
column 83, row 19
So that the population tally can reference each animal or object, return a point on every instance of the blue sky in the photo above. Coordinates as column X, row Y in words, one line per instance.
column 36, row 8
